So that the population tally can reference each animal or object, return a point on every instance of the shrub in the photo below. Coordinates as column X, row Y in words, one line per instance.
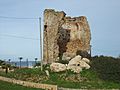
column 108, row 68
column 37, row 64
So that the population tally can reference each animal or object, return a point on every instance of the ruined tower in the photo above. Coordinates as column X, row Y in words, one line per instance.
column 64, row 37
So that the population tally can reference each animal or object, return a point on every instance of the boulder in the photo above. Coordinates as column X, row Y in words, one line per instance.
column 74, row 68
column 83, row 64
column 57, row 67
column 86, row 60
column 75, row 60
column 77, row 64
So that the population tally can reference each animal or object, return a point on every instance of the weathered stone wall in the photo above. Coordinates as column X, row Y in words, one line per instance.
column 52, row 22
column 64, row 37
column 29, row 84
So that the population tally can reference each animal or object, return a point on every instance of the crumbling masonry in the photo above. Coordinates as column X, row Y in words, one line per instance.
column 64, row 37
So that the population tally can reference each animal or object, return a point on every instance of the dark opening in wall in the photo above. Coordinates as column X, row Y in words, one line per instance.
column 45, row 26
column 63, row 39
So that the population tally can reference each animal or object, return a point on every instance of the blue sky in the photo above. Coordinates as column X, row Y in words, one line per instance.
column 103, row 17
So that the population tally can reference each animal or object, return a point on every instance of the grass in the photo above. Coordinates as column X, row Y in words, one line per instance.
column 103, row 74
column 90, row 81
column 10, row 86
column 86, row 79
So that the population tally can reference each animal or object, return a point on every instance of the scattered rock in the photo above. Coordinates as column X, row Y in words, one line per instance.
column 77, row 64
column 75, row 78
column 47, row 73
column 86, row 60
column 57, row 67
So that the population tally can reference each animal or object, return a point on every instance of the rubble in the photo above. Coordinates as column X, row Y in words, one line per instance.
column 57, row 67
column 77, row 64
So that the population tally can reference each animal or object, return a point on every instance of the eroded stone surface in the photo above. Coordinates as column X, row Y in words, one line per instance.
column 77, row 63
column 57, row 67
column 64, row 37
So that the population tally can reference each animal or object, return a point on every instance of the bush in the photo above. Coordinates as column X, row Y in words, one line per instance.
column 108, row 68
column 37, row 64
column 2, row 62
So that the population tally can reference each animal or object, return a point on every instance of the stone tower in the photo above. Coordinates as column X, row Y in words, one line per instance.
column 64, row 37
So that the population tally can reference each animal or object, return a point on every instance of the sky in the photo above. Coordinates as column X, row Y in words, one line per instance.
column 20, row 37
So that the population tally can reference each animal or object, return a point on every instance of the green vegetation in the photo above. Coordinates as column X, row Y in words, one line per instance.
column 63, row 61
column 103, row 74
column 10, row 86
column 86, row 79
column 37, row 64
column 107, row 68
column 5, row 65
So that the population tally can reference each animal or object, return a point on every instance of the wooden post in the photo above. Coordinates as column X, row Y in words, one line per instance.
column 90, row 51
